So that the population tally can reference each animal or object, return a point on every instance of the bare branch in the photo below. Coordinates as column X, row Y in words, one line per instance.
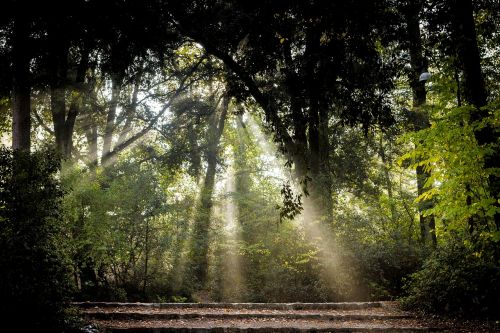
column 182, row 87
column 41, row 123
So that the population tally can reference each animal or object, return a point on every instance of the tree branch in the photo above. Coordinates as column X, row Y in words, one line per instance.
column 41, row 123
column 121, row 146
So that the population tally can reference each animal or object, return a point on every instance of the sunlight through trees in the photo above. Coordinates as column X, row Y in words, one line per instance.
column 259, row 151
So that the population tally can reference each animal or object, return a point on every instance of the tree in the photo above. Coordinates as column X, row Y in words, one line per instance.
column 34, row 267
column 21, row 78
column 419, row 64
column 203, row 217
column 467, row 50
column 296, row 64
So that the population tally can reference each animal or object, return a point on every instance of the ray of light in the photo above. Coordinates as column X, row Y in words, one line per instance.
column 337, row 273
column 233, row 282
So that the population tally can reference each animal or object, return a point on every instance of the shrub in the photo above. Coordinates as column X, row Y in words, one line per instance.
column 34, row 283
column 456, row 280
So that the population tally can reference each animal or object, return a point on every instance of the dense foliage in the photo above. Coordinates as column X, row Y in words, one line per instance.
column 33, row 263
column 456, row 280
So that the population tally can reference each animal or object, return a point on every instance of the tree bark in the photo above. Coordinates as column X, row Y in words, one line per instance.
column 91, row 135
column 242, row 177
column 465, row 38
column 420, row 118
column 202, row 222
column 293, row 86
column 89, row 124
column 319, row 147
column 58, row 102
column 58, row 73
column 76, row 104
column 116, row 82
column 146, row 259
column 21, row 88
column 468, row 54
column 63, row 119
column 130, row 112
column 387, row 175
column 324, row 160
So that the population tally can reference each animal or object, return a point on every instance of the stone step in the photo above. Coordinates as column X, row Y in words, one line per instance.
column 167, row 316
column 271, row 330
column 256, row 325
column 273, row 306
column 251, row 317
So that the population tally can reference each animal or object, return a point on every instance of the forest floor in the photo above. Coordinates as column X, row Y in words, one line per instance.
column 270, row 317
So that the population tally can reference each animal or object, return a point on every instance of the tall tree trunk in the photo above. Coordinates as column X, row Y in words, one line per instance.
column 293, row 85
column 468, row 198
column 90, row 125
column 319, row 147
column 420, row 117
column 116, row 82
column 85, row 273
column 58, row 72
column 202, row 221
column 130, row 112
column 464, row 34
column 465, row 39
column 21, row 88
column 387, row 175
column 242, row 177
column 194, row 152
column 76, row 104
column 60, row 88
column 58, row 106
column 146, row 259
column 91, row 135
column 324, row 171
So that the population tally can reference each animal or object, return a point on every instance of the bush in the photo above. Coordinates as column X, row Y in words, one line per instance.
column 384, row 265
column 455, row 280
column 34, row 283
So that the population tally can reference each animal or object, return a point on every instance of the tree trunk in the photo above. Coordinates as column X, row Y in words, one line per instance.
column 146, row 259
column 110, row 120
column 387, row 175
column 420, row 118
column 293, row 86
column 91, row 135
column 58, row 108
column 21, row 89
column 464, row 34
column 242, row 177
column 319, row 147
column 194, row 152
column 58, row 72
column 202, row 222
column 76, row 104
column 468, row 54
column 62, row 118
column 130, row 112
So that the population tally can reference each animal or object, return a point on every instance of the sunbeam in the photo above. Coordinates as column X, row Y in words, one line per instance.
column 337, row 273
column 233, row 283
